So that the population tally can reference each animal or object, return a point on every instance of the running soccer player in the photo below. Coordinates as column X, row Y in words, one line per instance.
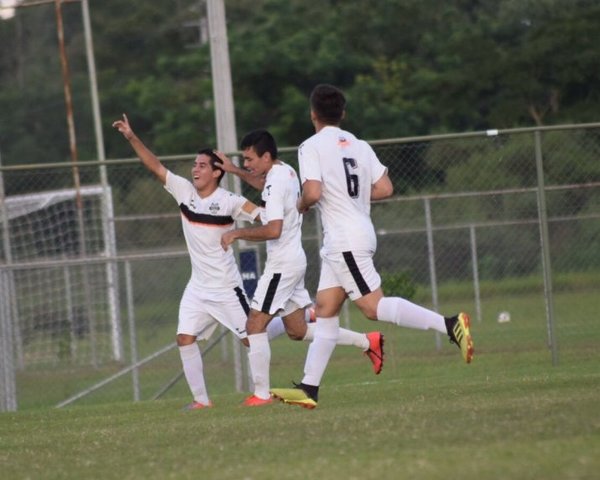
column 280, row 289
column 341, row 175
column 214, row 292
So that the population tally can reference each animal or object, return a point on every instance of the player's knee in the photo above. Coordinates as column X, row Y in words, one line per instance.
column 296, row 336
column 296, row 330
column 327, row 310
column 183, row 339
column 257, row 323
column 369, row 312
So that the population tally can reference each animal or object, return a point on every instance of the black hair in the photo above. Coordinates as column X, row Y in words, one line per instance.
column 262, row 141
column 215, row 162
column 328, row 103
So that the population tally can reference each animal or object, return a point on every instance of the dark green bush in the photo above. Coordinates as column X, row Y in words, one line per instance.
column 398, row 284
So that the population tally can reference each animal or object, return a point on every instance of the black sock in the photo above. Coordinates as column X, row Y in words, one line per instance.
column 449, row 324
column 311, row 390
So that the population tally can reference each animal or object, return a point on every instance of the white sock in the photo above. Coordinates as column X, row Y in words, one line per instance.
column 320, row 350
column 193, row 370
column 275, row 328
column 259, row 358
column 406, row 314
column 346, row 337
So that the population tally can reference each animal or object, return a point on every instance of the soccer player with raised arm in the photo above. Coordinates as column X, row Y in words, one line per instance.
column 341, row 175
column 215, row 291
column 280, row 289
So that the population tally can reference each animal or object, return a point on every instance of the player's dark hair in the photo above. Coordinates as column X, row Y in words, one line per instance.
column 215, row 162
column 262, row 141
column 328, row 103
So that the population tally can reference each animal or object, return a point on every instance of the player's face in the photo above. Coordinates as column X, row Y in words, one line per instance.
column 202, row 173
column 258, row 165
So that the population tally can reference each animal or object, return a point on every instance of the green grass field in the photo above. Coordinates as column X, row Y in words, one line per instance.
column 508, row 415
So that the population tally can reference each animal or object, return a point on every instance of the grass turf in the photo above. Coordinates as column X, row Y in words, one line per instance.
column 510, row 414
column 427, row 416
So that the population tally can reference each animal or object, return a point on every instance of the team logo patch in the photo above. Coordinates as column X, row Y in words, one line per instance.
column 342, row 142
column 214, row 208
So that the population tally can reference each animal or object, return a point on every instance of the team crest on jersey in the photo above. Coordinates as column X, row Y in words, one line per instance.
column 268, row 189
column 342, row 142
column 214, row 208
column 192, row 205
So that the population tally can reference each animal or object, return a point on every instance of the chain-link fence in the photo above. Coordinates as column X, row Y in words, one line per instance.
column 503, row 224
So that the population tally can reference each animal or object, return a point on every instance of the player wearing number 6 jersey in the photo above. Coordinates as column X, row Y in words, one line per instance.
column 341, row 175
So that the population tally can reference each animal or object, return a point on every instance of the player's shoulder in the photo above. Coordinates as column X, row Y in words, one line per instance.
column 175, row 177
column 352, row 141
column 314, row 139
column 281, row 176
column 178, row 182
column 223, row 193
column 348, row 137
column 224, row 202
column 280, row 169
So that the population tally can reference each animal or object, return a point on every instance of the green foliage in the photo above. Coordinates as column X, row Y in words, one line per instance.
column 398, row 284
column 408, row 67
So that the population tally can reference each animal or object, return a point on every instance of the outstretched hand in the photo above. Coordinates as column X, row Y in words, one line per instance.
column 123, row 127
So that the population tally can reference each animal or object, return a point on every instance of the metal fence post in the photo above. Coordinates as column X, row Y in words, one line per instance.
column 135, row 377
column 8, row 389
column 545, row 244
column 475, row 266
column 432, row 273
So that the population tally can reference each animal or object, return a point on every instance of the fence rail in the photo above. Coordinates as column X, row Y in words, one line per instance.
column 491, row 220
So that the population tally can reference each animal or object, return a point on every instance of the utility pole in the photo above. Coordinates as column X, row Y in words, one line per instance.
column 225, row 121
column 112, row 272
column 221, row 76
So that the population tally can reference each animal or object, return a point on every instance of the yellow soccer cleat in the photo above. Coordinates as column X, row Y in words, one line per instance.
column 294, row 396
column 460, row 333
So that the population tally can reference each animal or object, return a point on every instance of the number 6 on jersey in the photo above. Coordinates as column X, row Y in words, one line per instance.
column 351, row 178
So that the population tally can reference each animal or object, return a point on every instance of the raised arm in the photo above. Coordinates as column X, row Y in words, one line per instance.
column 150, row 161
column 255, row 181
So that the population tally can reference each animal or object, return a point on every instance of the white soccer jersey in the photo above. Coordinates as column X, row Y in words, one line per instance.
column 204, row 221
column 347, row 168
column 279, row 198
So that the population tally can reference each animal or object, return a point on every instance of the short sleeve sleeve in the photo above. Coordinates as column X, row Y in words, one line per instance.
column 308, row 163
column 180, row 188
column 238, row 213
column 378, row 169
column 274, row 196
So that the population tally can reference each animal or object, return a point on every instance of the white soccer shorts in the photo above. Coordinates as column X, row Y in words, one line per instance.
column 353, row 271
column 281, row 293
column 200, row 311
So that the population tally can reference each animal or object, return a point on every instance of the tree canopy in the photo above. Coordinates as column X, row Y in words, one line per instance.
column 408, row 67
